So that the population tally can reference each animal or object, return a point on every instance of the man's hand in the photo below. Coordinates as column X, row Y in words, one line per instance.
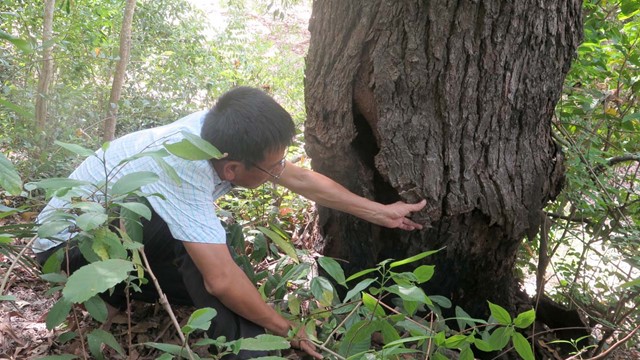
column 302, row 342
column 395, row 215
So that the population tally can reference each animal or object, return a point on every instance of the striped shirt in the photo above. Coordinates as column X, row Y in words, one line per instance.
column 188, row 208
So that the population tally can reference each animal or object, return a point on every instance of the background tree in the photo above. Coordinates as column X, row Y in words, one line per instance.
column 118, row 77
column 447, row 101
column 46, row 71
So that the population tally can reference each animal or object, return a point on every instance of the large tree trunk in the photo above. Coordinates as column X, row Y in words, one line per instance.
column 118, row 77
column 450, row 101
column 46, row 71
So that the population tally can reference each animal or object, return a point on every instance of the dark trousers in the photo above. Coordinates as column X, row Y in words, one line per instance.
column 180, row 280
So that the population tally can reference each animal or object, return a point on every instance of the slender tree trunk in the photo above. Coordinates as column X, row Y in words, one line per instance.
column 46, row 72
column 450, row 101
column 118, row 78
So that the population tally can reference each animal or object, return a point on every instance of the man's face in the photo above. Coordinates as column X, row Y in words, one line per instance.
column 270, row 168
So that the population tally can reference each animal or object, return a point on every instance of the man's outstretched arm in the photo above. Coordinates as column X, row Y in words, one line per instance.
column 326, row 192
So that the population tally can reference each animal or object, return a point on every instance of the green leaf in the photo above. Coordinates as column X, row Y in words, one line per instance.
column 21, row 44
column 362, row 285
column 91, row 220
column 410, row 293
column 134, row 181
column 361, row 273
column 52, row 228
column 333, row 268
column 8, row 298
column 372, row 304
column 525, row 319
column 97, row 308
column 455, row 341
column 9, row 177
column 54, row 277
column 466, row 354
column 424, row 273
column 265, row 342
column 26, row 113
column 193, row 147
column 132, row 225
column 95, row 278
column 172, row 349
column 60, row 183
column 200, row 320
column 483, row 345
column 442, row 301
column 281, row 242
column 138, row 208
column 631, row 283
column 64, row 337
column 413, row 258
column 389, row 333
column 59, row 357
column 88, row 206
column 107, row 245
column 58, row 313
column 500, row 314
column 499, row 338
column 523, row 347
column 75, row 148
column 322, row 290
column 628, row 7
column 98, row 337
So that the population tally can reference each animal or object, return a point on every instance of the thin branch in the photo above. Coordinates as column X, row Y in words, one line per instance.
column 14, row 263
column 623, row 158
column 165, row 303
column 606, row 353
column 581, row 220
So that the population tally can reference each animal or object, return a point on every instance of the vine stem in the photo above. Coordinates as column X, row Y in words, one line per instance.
column 324, row 344
column 165, row 303
column 14, row 263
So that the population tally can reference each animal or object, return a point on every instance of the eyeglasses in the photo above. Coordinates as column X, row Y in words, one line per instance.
column 277, row 170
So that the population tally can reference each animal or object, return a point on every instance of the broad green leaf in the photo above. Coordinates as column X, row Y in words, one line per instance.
column 438, row 356
column 193, row 147
column 89, row 206
column 132, row 225
column 413, row 258
column 442, row 301
column 107, row 245
column 60, row 183
column 483, row 345
column 76, row 149
column 389, row 333
column 58, row 313
column 322, row 290
column 499, row 338
column 199, row 320
column 411, row 293
column 132, row 182
column 59, row 357
column 172, row 349
column 98, row 337
column 171, row 172
column 361, row 273
column 64, row 337
column 455, row 341
column 54, row 277
column 525, row 319
column 523, row 347
column 9, row 177
column 52, row 228
column 281, row 242
column 26, row 113
column 357, row 338
column 407, row 340
column 97, row 308
column 265, row 342
column 362, row 285
column 89, row 221
column 466, row 354
column 95, row 278
column 333, row 268
column 631, row 283
column 628, row 7
column 21, row 44
column 500, row 314
column 424, row 273
column 138, row 208
column 372, row 304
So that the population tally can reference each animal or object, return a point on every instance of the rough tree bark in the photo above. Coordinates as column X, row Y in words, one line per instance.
column 450, row 101
column 46, row 71
column 118, row 77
